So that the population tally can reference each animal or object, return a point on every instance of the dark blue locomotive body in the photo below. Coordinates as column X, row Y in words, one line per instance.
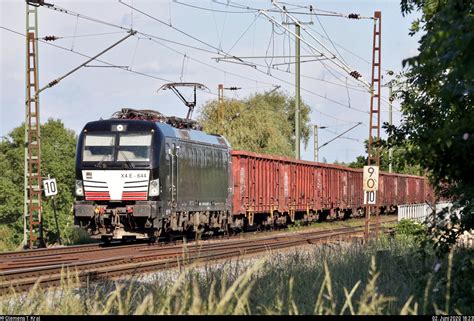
column 139, row 178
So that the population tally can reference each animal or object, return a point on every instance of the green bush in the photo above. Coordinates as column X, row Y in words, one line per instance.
column 80, row 236
column 411, row 229
column 7, row 240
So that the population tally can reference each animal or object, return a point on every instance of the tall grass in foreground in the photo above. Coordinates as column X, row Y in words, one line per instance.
column 390, row 276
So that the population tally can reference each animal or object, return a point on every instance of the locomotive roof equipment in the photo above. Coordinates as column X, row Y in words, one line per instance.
column 189, row 104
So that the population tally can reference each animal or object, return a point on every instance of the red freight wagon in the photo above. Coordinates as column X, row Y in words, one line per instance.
column 287, row 187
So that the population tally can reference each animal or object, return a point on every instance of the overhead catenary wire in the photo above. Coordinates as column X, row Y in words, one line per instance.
column 306, row 90
column 282, row 80
column 252, row 10
column 339, row 136
column 219, row 50
column 54, row 38
column 324, row 65
column 177, row 43
column 321, row 12
column 336, row 133
column 335, row 61
column 227, row 54
column 329, row 38
column 245, row 31
column 69, row 12
column 125, row 68
column 97, row 20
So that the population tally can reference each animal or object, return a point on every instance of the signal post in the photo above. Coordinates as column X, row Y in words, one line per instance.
column 370, row 186
column 373, row 160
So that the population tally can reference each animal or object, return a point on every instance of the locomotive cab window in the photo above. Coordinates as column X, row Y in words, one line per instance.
column 99, row 147
column 134, row 147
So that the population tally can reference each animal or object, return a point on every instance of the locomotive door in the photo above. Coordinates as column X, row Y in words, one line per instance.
column 173, row 170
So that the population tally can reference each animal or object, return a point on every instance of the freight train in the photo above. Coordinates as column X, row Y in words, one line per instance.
column 140, row 175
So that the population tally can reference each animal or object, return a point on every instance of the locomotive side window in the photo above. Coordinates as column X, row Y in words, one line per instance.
column 167, row 151
column 194, row 157
column 99, row 147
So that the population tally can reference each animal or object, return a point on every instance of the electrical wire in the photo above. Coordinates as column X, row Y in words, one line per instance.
column 154, row 18
column 86, row 56
column 246, row 30
column 344, row 137
column 69, row 12
column 81, row 36
column 208, row 9
column 313, row 93
column 117, row 26
column 172, row 27
column 324, row 30
column 323, row 12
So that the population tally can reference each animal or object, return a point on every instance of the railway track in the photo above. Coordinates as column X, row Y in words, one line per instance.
column 90, row 263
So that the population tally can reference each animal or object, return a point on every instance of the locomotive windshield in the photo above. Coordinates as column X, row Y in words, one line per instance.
column 117, row 147
column 134, row 147
column 99, row 147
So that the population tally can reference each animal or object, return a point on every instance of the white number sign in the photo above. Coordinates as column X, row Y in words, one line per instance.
column 50, row 187
column 371, row 178
column 370, row 197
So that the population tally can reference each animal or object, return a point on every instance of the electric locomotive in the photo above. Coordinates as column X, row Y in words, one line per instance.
column 141, row 175
column 139, row 179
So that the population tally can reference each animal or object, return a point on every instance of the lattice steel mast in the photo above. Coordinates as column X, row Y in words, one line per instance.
column 374, row 124
column 33, row 233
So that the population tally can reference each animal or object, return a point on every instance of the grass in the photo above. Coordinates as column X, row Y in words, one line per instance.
column 389, row 276
column 298, row 226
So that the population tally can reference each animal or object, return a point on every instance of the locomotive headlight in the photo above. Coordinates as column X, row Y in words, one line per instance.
column 79, row 188
column 154, row 189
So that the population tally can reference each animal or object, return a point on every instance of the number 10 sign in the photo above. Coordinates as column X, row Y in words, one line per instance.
column 50, row 187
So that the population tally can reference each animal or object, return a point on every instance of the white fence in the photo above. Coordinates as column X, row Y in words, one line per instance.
column 419, row 212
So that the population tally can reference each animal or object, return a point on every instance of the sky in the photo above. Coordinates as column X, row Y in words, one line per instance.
column 179, row 41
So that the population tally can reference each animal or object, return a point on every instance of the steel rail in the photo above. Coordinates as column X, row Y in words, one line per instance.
column 146, row 260
column 43, row 257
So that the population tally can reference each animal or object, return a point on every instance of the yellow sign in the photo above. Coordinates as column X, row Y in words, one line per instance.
column 371, row 178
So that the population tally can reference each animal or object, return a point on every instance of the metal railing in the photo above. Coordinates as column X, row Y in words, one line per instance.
column 420, row 212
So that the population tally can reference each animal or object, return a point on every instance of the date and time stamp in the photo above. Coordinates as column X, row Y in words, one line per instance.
column 452, row 318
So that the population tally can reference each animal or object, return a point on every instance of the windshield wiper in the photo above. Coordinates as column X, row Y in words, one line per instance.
column 99, row 164
column 127, row 161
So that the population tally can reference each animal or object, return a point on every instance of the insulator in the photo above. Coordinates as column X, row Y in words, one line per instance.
column 353, row 16
column 355, row 74
column 50, row 38
column 54, row 82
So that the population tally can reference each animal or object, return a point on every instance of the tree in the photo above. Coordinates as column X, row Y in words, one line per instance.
column 58, row 146
column 437, row 104
column 262, row 123
column 399, row 162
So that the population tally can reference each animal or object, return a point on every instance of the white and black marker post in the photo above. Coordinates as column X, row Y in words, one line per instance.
column 370, row 186
column 51, row 189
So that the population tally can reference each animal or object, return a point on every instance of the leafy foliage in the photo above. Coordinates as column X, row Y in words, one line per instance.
column 411, row 229
column 437, row 104
column 399, row 162
column 58, row 146
column 263, row 123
